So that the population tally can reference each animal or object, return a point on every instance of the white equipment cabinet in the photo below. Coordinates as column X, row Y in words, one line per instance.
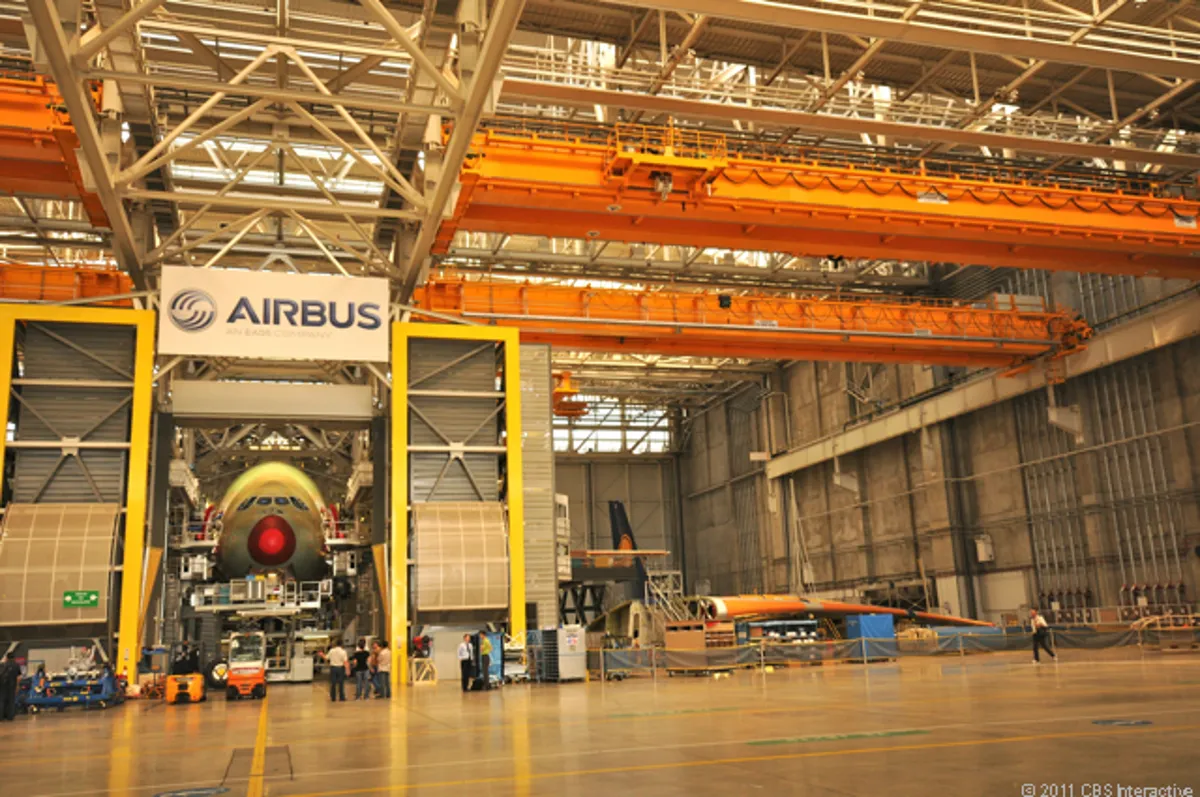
column 572, row 653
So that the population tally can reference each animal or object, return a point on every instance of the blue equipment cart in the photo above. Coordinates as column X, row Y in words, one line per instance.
column 91, row 690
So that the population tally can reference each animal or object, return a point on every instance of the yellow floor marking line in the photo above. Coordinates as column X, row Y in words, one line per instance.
column 259, row 763
column 744, row 760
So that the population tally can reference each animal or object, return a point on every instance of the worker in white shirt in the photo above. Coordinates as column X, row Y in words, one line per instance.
column 337, row 660
column 465, row 655
column 383, row 669
column 1040, row 635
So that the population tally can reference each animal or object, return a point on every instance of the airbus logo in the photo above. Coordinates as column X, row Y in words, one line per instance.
column 192, row 310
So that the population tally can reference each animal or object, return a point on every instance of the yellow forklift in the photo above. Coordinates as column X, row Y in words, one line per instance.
column 186, row 680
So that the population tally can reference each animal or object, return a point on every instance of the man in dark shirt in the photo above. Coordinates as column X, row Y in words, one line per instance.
column 362, row 672
column 10, row 678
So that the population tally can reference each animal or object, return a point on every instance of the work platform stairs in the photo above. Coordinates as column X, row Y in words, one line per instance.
column 664, row 596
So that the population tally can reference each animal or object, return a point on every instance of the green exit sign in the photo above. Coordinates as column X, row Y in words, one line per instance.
column 81, row 599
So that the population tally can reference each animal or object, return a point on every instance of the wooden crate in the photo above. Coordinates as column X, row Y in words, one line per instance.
column 684, row 636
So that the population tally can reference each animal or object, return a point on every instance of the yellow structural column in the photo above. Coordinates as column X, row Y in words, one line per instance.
column 399, row 487
column 8, row 326
column 130, row 617
column 132, row 576
column 515, row 496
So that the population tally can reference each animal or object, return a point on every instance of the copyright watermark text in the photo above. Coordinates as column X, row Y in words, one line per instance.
column 1106, row 790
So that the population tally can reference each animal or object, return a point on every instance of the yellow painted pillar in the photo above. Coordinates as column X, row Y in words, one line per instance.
column 129, row 628
column 8, row 326
column 398, row 613
column 515, row 497
column 138, row 464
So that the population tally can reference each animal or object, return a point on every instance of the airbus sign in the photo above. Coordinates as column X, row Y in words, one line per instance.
column 263, row 315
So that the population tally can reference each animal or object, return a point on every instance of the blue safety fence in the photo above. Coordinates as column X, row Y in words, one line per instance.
column 945, row 642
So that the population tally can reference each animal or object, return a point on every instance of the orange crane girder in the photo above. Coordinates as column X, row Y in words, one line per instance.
column 38, row 145
column 53, row 284
column 989, row 334
column 664, row 186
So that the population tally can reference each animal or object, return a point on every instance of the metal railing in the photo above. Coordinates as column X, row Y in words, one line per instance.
column 261, row 595
column 635, row 662
column 1119, row 615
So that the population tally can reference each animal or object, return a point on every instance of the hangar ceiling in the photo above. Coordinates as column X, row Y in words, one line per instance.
column 313, row 135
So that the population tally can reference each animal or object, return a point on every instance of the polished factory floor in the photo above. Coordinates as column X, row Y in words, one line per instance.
column 980, row 725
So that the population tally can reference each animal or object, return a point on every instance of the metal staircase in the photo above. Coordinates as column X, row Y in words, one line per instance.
column 664, row 596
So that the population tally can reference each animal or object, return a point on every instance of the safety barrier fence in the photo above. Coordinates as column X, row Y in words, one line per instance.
column 652, row 661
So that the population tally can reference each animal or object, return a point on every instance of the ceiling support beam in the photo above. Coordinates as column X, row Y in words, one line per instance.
column 1135, row 57
column 585, row 97
column 400, row 35
column 500, row 30
column 79, row 105
column 638, row 32
column 262, row 92
column 93, row 46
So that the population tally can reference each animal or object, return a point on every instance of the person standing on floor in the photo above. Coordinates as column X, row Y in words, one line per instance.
column 465, row 654
column 339, row 666
column 383, row 669
column 485, row 659
column 10, row 679
column 1041, row 635
column 362, row 672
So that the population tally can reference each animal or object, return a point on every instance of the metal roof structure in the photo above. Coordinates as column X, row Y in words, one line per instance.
column 327, row 135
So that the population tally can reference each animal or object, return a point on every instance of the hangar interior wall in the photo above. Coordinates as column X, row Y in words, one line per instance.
column 645, row 484
column 1069, row 522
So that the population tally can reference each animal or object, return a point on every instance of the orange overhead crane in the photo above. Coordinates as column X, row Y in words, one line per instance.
column 23, row 283
column 38, row 144
column 995, row 333
column 687, row 187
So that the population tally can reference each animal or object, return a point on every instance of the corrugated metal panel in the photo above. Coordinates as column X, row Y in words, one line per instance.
column 32, row 482
column 477, row 371
column 431, row 477
column 94, row 414
column 47, row 358
column 571, row 480
column 541, row 579
column 455, row 485
column 73, row 412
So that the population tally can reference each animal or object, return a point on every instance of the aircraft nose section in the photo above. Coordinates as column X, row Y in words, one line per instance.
column 271, row 541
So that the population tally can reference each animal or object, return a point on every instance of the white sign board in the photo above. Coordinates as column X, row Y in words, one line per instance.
column 264, row 315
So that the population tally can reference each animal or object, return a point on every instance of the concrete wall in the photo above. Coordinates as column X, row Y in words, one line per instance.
column 645, row 484
column 1070, row 521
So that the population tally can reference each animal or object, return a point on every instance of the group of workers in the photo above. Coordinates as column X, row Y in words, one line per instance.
column 371, row 670
column 466, row 662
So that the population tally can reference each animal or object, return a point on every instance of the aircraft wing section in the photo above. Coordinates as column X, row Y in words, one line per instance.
column 738, row 606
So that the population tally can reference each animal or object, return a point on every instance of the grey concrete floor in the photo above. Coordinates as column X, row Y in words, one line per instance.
column 981, row 725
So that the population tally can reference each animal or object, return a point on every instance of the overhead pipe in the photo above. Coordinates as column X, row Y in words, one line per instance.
column 1152, row 526
column 1162, row 462
column 1064, row 475
column 1156, row 468
column 1106, row 470
column 1125, row 477
column 1023, row 456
